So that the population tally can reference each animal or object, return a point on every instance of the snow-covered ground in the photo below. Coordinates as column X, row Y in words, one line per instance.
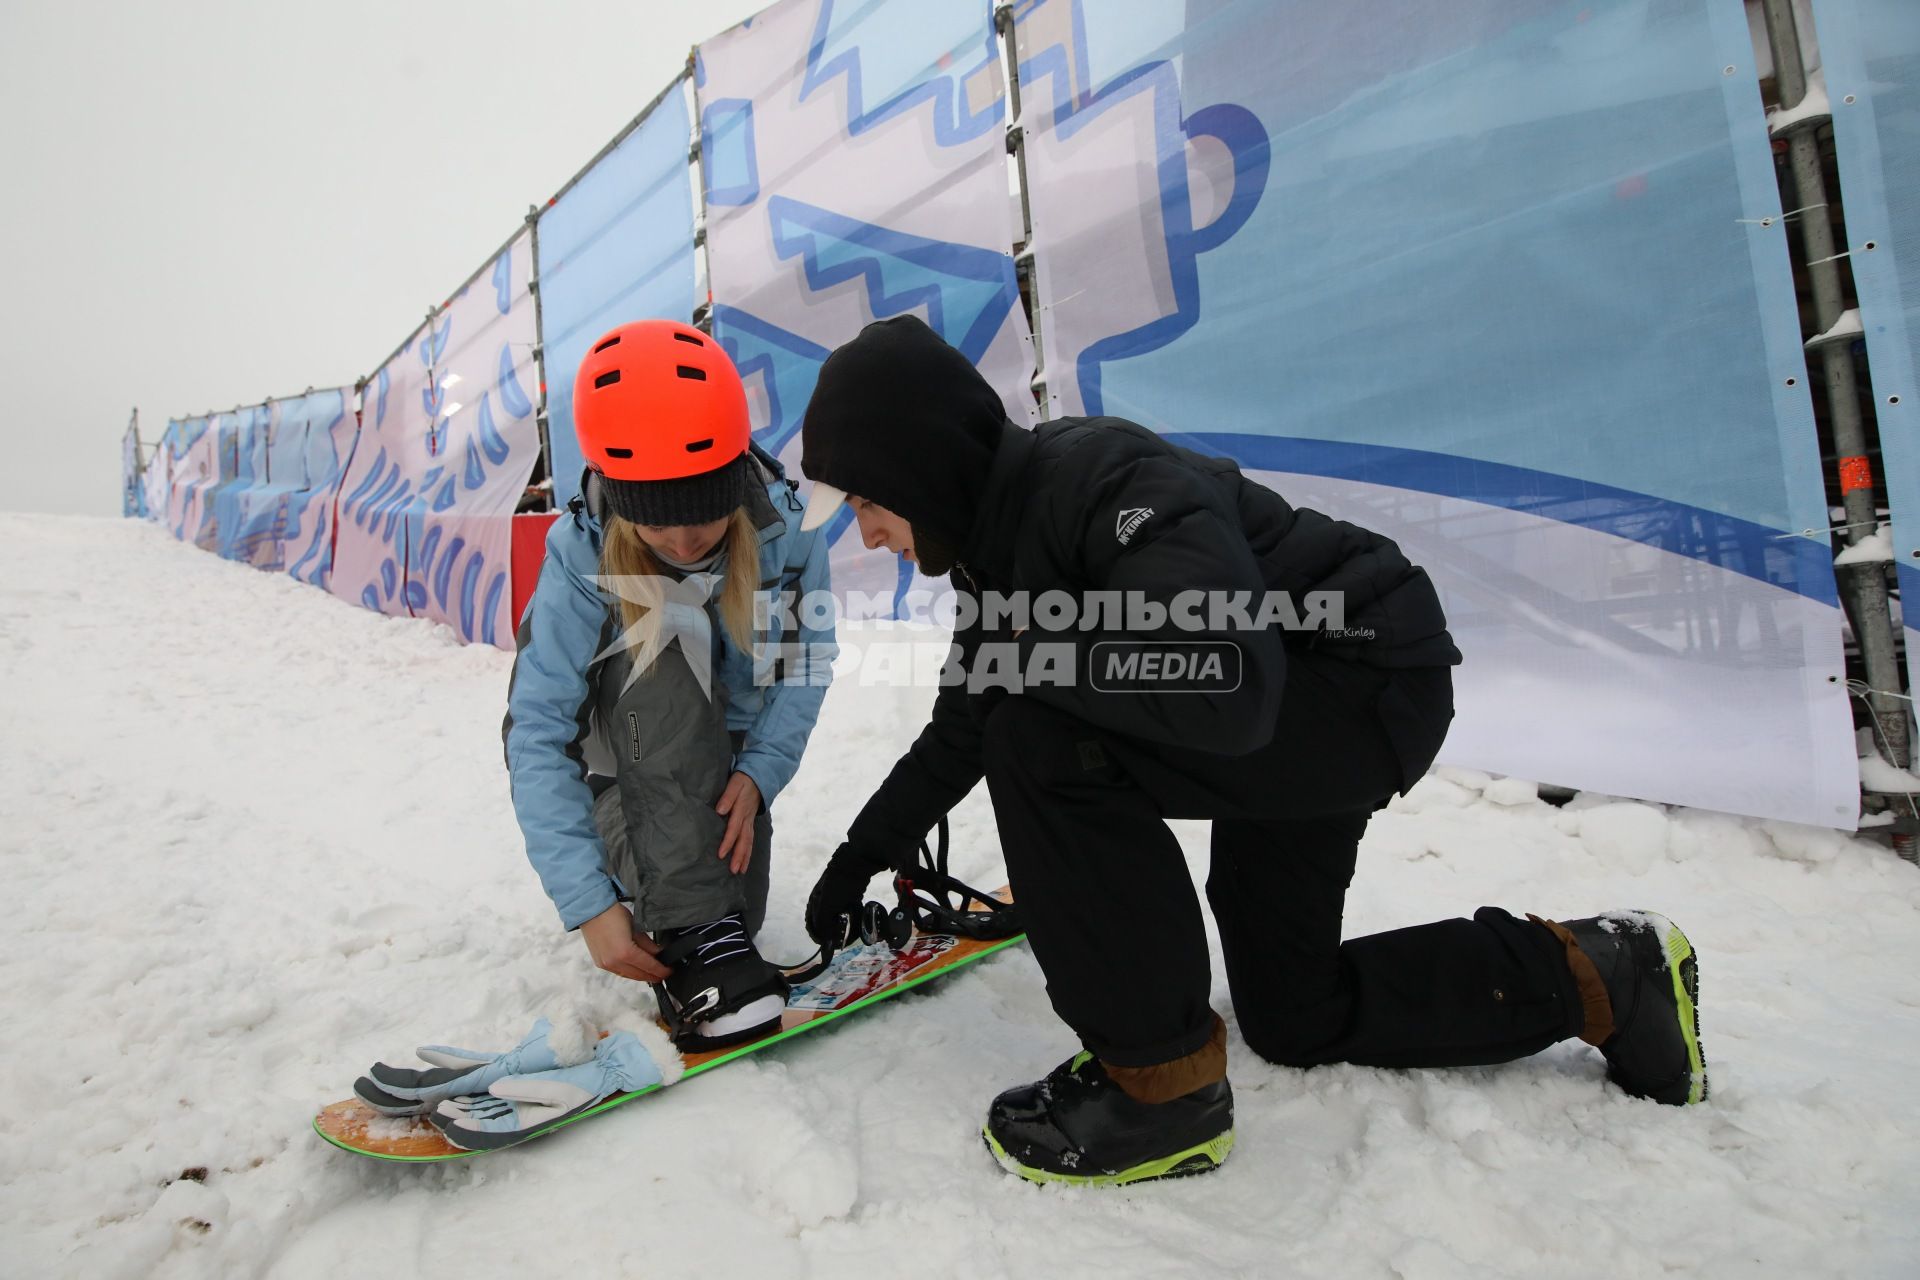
column 254, row 839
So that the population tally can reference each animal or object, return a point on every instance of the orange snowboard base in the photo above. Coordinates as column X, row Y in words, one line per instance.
column 856, row 979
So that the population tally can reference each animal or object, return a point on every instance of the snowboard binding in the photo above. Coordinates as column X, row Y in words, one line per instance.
column 928, row 900
column 721, row 992
column 932, row 901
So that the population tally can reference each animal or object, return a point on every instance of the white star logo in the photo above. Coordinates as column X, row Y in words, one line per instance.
column 680, row 604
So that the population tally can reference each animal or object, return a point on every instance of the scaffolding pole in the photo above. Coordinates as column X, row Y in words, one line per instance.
column 1863, row 587
column 1003, row 24
column 539, row 354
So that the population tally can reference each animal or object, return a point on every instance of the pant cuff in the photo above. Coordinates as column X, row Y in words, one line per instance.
column 1596, row 1006
column 1165, row 1081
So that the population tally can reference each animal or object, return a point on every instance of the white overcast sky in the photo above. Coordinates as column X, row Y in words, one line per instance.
column 206, row 204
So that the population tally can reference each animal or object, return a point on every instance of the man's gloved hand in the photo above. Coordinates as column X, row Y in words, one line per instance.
column 833, row 908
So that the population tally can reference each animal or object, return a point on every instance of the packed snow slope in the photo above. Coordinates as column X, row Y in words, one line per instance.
column 254, row 839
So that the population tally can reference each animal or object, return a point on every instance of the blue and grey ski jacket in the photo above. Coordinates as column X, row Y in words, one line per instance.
column 570, row 622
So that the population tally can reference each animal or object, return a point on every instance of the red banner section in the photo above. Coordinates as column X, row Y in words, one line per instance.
column 529, row 552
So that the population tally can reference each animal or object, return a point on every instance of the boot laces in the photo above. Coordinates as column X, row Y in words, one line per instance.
column 723, row 939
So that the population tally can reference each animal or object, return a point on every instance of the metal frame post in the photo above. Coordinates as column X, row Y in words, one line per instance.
column 1863, row 586
column 138, row 479
column 702, row 317
column 1003, row 25
column 539, row 352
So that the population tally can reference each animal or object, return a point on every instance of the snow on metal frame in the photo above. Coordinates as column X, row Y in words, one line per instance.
column 1870, row 50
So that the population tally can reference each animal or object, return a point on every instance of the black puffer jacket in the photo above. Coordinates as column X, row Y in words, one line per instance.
column 1061, row 510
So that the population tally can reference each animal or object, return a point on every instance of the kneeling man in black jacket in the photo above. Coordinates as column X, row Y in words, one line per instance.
column 1147, row 634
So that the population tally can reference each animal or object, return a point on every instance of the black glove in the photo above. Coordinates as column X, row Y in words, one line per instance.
column 833, row 908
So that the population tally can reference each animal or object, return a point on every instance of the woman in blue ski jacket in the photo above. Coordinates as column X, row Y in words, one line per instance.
column 667, row 681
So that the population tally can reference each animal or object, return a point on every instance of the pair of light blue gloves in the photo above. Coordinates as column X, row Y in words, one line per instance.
column 481, row 1100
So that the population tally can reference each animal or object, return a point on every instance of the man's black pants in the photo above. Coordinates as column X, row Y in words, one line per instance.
column 1113, row 919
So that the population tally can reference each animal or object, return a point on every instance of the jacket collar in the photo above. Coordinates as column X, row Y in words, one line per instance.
column 988, row 553
column 760, row 509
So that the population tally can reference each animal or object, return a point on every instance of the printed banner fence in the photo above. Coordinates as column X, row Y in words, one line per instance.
column 396, row 419
column 158, row 478
column 616, row 246
column 324, row 424
column 448, row 441
column 854, row 163
column 1505, row 279
column 1870, row 50
column 460, row 533
column 248, row 430
column 1490, row 278
column 192, row 449
column 256, row 484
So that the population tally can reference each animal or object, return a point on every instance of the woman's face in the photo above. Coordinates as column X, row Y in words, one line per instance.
column 684, row 542
column 880, row 527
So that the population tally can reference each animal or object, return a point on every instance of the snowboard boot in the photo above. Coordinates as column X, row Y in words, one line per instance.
column 1078, row 1127
column 1652, row 981
column 721, row 991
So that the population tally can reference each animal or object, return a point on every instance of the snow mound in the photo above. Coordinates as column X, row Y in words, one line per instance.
column 256, row 838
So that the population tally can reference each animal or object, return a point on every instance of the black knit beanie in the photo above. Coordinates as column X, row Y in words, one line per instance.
column 900, row 418
column 701, row 499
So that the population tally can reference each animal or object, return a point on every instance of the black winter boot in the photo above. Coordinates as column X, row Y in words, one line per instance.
column 721, row 991
column 1653, row 983
column 1078, row 1126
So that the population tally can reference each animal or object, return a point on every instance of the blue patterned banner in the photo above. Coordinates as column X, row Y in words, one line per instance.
column 615, row 246
column 193, row 451
column 448, row 440
column 316, row 440
column 244, row 502
column 855, row 167
column 485, row 441
column 1506, row 280
column 369, row 557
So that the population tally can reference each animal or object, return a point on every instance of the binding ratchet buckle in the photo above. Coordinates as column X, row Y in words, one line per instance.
column 932, row 901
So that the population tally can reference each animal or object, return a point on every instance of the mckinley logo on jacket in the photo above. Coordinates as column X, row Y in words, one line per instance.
column 1129, row 521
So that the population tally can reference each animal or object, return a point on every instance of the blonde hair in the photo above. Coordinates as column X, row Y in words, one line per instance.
column 624, row 554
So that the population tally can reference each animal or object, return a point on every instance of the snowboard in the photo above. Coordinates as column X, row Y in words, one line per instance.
column 858, row 978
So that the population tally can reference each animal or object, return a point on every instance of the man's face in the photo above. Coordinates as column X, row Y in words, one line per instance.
column 880, row 527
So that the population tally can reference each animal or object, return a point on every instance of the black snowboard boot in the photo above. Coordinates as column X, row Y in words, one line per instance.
column 1078, row 1126
column 721, row 991
column 1653, row 981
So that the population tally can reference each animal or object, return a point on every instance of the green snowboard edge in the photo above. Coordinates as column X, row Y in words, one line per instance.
column 826, row 1018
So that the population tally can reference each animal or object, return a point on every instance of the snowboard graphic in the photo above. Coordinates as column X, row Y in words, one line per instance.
column 858, row 978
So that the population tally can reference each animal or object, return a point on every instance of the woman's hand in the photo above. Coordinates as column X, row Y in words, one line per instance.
column 615, row 947
column 739, row 805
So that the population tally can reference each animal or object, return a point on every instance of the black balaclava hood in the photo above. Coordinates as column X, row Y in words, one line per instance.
column 900, row 418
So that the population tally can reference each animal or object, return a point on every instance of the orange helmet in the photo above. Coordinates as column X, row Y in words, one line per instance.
column 659, row 400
